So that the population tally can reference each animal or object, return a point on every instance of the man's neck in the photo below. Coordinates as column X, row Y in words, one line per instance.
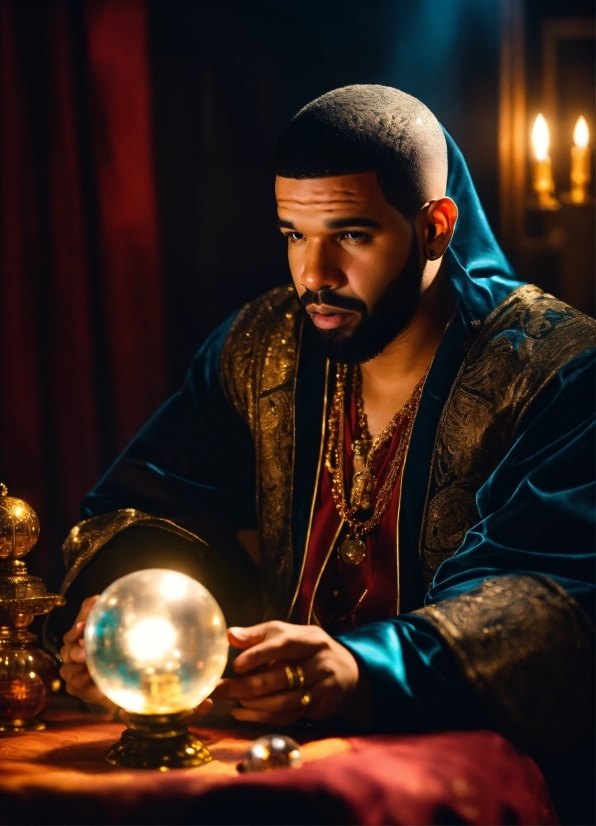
column 389, row 379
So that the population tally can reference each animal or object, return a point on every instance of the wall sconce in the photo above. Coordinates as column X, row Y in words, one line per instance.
column 580, row 162
column 542, row 174
column 542, row 178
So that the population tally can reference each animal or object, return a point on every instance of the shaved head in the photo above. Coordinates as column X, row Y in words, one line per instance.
column 367, row 128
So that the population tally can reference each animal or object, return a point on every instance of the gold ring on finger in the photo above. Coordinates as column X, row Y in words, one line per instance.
column 291, row 676
column 306, row 699
column 300, row 676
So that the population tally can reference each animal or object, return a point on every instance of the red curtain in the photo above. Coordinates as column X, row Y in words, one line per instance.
column 81, row 312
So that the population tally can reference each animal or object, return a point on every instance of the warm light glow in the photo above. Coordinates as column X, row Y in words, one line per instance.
column 540, row 138
column 151, row 644
column 581, row 133
column 150, row 639
column 173, row 586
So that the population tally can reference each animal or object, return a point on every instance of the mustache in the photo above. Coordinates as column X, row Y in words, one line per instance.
column 332, row 299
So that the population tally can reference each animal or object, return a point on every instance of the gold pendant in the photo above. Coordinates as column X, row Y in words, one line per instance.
column 357, row 488
column 352, row 550
column 366, row 494
column 361, row 447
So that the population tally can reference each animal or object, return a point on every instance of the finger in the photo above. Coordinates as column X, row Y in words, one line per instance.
column 92, row 695
column 271, row 681
column 248, row 715
column 81, row 679
column 68, row 670
column 278, row 647
column 80, row 688
column 78, row 654
column 79, row 624
column 72, row 653
column 287, row 702
column 86, row 607
column 245, row 637
column 75, row 633
column 201, row 710
column 253, row 634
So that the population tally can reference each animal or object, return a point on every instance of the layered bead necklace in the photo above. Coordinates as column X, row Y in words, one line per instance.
column 365, row 449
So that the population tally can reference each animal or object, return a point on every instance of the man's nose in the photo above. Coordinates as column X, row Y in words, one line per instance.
column 320, row 270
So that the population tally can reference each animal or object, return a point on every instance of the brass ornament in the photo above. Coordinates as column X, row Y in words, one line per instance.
column 27, row 674
column 19, row 526
column 158, row 742
column 352, row 551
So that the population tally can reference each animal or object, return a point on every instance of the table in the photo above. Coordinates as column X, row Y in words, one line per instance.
column 59, row 776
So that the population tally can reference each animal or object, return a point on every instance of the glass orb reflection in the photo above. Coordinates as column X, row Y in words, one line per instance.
column 274, row 751
column 156, row 642
column 27, row 677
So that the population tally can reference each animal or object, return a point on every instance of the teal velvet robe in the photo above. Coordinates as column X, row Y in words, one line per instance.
column 535, row 510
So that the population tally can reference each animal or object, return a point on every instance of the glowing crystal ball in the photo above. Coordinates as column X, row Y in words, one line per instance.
column 156, row 642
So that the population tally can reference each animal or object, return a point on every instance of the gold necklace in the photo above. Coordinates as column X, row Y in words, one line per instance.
column 353, row 549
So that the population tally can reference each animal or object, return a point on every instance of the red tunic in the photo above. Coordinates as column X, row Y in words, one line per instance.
column 336, row 595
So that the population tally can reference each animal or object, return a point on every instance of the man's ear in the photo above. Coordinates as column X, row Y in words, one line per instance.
column 436, row 222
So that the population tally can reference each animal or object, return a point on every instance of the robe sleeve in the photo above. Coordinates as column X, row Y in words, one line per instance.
column 505, row 630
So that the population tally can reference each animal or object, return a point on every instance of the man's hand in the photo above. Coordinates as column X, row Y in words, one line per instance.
column 76, row 675
column 331, row 674
column 74, row 670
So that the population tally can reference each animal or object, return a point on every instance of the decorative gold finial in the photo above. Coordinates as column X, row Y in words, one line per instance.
column 27, row 674
column 19, row 526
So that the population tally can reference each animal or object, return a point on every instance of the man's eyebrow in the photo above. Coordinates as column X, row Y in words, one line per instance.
column 357, row 221
column 339, row 223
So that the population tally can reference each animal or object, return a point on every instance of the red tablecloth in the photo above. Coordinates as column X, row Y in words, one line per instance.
column 59, row 776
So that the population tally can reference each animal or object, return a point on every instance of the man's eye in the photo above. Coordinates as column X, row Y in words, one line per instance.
column 355, row 236
column 294, row 236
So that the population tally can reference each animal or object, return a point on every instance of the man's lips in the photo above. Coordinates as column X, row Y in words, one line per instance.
column 328, row 318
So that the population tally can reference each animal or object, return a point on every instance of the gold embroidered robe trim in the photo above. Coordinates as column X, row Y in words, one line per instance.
column 518, row 349
column 527, row 649
column 259, row 365
column 90, row 535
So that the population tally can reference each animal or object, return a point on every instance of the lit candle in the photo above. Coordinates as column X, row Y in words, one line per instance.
column 580, row 161
column 543, row 183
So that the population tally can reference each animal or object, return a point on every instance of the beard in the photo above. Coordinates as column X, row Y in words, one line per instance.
column 377, row 328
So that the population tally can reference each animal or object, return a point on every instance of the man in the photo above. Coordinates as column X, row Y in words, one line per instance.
column 409, row 429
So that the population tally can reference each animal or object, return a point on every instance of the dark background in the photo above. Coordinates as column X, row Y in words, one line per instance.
column 158, row 119
column 228, row 75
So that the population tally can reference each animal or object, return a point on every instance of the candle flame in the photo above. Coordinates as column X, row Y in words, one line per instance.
column 540, row 138
column 581, row 133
